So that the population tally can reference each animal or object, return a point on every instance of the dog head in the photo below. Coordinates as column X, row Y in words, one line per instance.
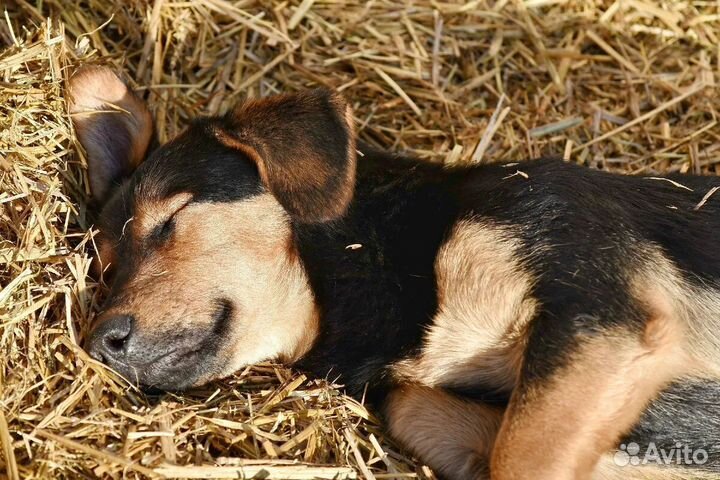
column 196, row 237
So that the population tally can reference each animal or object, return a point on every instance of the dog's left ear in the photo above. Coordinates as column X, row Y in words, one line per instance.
column 304, row 148
column 113, row 125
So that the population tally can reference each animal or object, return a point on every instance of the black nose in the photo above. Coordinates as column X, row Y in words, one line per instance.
column 108, row 342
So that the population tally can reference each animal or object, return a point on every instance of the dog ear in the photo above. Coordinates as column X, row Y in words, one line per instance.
column 304, row 148
column 112, row 124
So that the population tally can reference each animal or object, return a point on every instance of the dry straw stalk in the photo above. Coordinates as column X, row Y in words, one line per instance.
column 625, row 85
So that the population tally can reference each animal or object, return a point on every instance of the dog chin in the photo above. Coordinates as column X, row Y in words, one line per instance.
column 170, row 383
column 176, row 378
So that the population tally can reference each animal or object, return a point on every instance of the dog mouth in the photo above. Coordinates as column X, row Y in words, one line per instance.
column 175, row 361
column 178, row 371
column 224, row 311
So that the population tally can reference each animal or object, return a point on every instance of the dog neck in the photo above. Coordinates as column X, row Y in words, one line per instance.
column 372, row 271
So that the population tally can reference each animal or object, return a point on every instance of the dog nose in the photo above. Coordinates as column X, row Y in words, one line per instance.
column 109, row 341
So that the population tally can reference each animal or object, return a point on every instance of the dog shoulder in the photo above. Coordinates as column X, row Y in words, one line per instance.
column 485, row 303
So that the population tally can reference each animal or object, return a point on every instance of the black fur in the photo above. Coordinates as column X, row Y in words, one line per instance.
column 581, row 230
column 376, row 300
column 686, row 413
column 193, row 162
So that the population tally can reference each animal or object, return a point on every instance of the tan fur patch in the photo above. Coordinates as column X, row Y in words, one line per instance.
column 662, row 286
column 477, row 337
column 241, row 251
column 454, row 436
column 582, row 411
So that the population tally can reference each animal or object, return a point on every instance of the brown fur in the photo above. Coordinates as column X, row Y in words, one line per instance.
column 477, row 337
column 105, row 256
column 97, row 95
column 455, row 436
column 697, row 308
column 583, row 410
column 253, row 266
column 301, row 170
column 556, row 427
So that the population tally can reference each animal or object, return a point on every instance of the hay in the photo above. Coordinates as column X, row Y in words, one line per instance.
column 627, row 85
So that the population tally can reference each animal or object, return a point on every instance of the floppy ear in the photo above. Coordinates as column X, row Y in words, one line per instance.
column 304, row 148
column 112, row 124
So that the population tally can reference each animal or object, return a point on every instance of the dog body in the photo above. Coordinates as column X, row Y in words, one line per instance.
column 513, row 321
column 476, row 282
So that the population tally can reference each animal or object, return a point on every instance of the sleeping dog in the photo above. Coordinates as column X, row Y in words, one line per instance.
column 510, row 321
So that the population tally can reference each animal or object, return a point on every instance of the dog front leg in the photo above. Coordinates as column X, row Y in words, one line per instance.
column 454, row 436
column 558, row 424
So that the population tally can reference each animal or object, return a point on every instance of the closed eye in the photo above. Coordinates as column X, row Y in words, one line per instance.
column 164, row 231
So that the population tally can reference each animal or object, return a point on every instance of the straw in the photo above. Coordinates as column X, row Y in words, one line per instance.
column 627, row 86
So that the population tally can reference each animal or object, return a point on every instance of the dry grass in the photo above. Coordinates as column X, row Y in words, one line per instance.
column 626, row 85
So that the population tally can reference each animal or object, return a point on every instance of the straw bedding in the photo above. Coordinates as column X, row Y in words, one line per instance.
column 625, row 85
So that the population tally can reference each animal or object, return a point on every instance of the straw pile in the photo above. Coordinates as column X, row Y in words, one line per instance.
column 626, row 85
